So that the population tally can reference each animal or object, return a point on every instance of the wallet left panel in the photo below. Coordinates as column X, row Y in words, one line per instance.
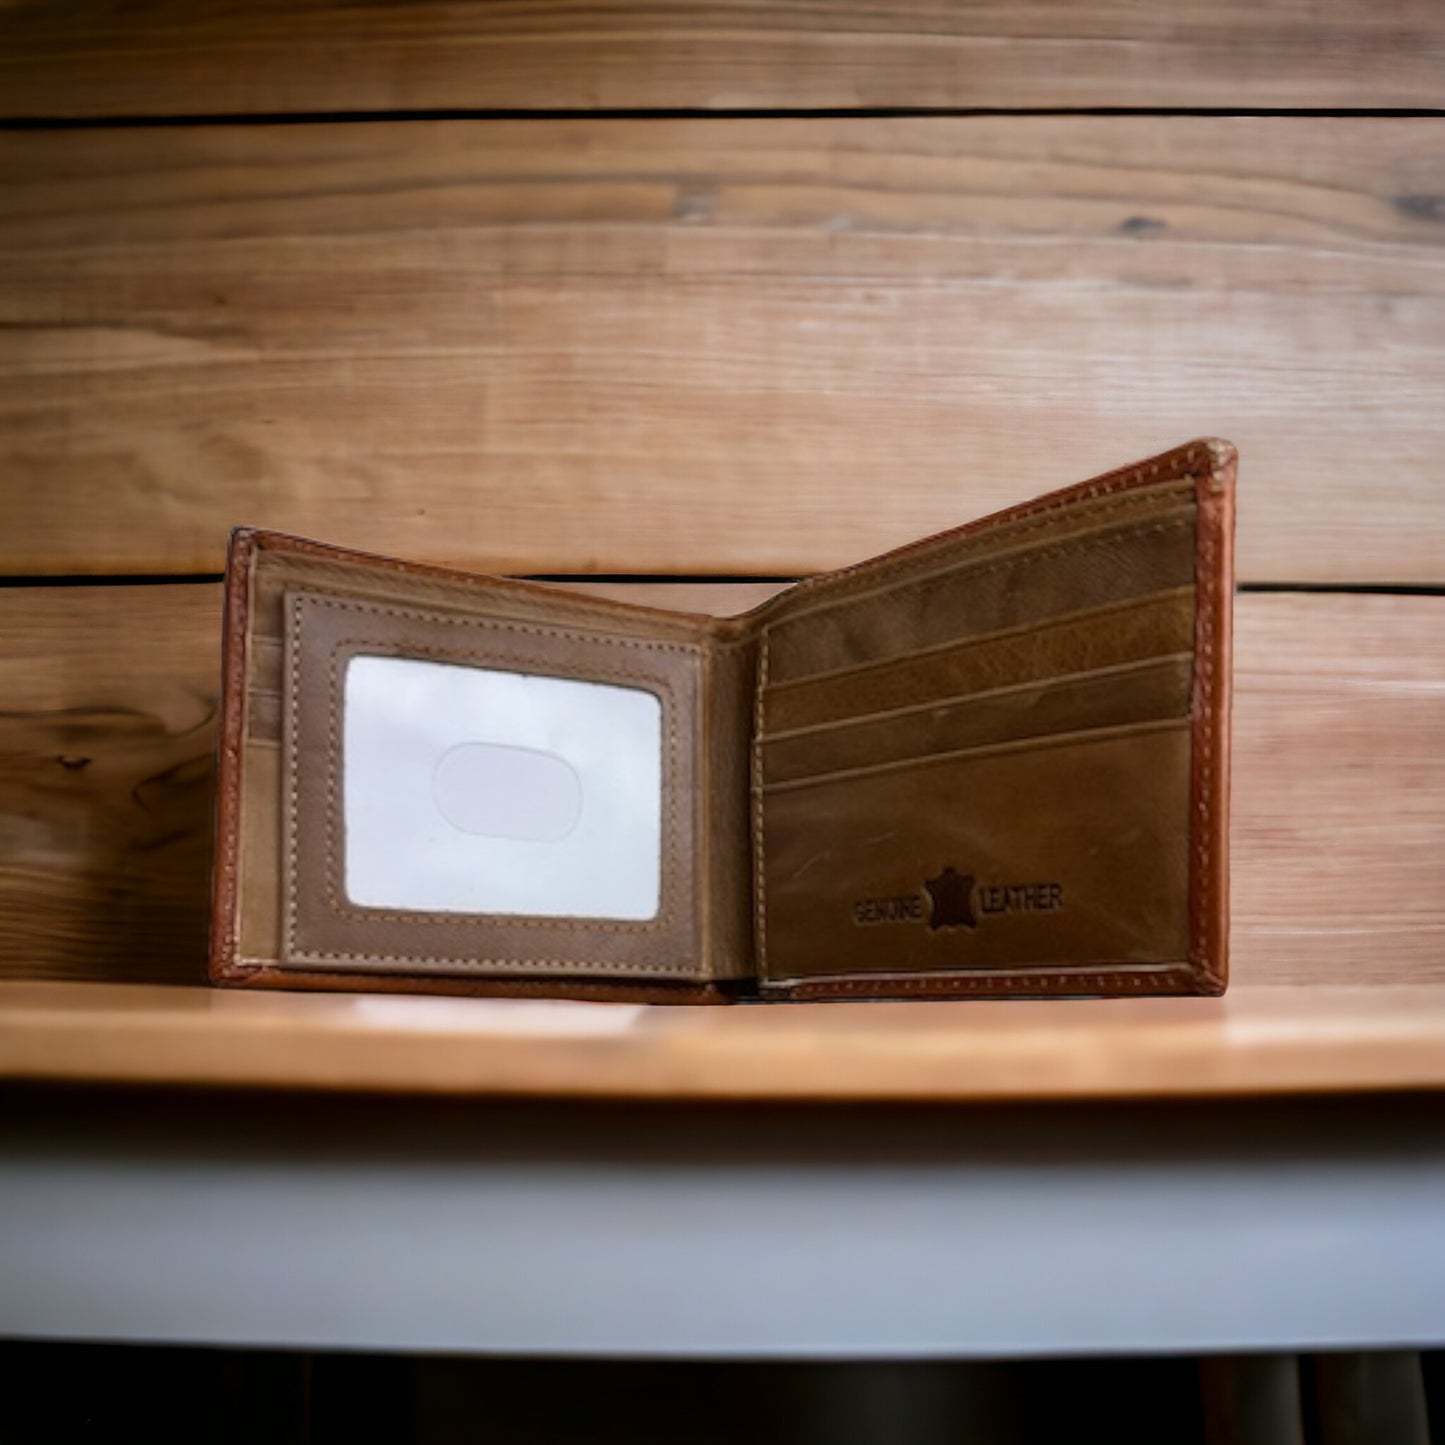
column 431, row 782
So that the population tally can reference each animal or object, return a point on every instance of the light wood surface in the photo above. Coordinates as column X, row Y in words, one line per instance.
column 1254, row 1040
column 1339, row 783
column 1338, row 825
column 732, row 346
column 169, row 57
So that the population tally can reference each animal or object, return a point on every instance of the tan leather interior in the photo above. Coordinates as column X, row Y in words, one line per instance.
column 994, row 762
column 322, row 929
column 962, row 777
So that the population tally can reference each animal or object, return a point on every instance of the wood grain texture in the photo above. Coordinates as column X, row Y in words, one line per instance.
column 1338, row 825
column 170, row 57
column 106, row 779
column 1338, row 845
column 1252, row 1041
column 713, row 346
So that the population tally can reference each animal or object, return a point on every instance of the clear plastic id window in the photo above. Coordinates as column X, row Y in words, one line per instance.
column 476, row 790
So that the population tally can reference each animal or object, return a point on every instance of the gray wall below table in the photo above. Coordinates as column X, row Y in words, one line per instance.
column 787, row 1233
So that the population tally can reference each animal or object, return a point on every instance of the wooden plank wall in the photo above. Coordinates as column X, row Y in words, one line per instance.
column 181, row 58
column 715, row 290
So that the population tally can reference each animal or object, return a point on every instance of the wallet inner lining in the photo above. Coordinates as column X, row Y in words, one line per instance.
column 1014, row 727
column 1144, row 554
column 1069, row 853
column 435, row 942
column 1030, row 527
column 1121, row 634
column 1027, row 743
column 1156, row 690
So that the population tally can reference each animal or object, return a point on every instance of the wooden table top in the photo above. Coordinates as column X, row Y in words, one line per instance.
column 1256, row 1040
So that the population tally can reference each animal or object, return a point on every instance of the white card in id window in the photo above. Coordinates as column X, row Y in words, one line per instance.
column 473, row 790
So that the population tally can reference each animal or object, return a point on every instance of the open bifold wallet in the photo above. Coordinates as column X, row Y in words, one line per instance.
column 991, row 763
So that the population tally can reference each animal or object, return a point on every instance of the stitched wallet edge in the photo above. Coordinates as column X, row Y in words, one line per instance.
column 1211, row 462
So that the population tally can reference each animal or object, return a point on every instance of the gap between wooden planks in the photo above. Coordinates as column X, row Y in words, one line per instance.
column 188, row 57
column 106, row 784
column 726, row 346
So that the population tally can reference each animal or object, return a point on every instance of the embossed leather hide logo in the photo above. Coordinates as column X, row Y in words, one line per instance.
column 950, row 899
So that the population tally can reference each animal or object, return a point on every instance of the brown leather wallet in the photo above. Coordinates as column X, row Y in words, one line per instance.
column 991, row 763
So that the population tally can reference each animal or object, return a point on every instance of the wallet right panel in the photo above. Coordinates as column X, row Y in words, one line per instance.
column 996, row 762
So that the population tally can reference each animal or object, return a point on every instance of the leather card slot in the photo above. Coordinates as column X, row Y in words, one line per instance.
column 988, row 594
column 263, row 716
column 1012, row 745
column 261, row 845
column 265, row 664
column 1151, row 691
column 1111, row 636
column 1024, row 527
column 1068, row 855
